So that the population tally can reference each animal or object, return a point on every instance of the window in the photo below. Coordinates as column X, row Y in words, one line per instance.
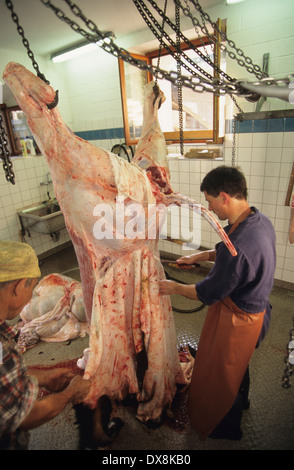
column 203, row 113
column 132, row 82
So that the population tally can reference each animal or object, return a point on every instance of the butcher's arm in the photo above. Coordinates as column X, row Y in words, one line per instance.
column 47, row 408
column 172, row 287
column 208, row 255
column 187, row 290
column 54, row 380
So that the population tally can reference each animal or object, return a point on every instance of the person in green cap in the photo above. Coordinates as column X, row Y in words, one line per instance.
column 20, row 408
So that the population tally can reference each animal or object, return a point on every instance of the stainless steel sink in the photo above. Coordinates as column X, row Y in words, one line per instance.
column 45, row 217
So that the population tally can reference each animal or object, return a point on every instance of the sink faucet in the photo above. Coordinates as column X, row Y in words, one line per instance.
column 47, row 181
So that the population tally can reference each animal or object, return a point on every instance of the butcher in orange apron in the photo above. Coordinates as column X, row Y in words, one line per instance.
column 228, row 339
column 236, row 291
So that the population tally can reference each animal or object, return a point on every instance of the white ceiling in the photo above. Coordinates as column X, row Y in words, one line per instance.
column 47, row 34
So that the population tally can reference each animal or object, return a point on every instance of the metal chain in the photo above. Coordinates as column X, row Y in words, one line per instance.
column 197, row 25
column 234, row 130
column 25, row 41
column 179, row 85
column 206, row 34
column 7, row 165
column 213, row 39
column 185, row 40
column 108, row 45
column 247, row 62
column 78, row 12
column 195, row 83
column 289, row 366
column 234, row 141
column 161, row 42
column 144, row 11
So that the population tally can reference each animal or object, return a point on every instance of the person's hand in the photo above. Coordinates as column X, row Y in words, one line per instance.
column 58, row 379
column 171, row 287
column 54, row 380
column 167, row 287
column 207, row 255
column 189, row 259
column 80, row 389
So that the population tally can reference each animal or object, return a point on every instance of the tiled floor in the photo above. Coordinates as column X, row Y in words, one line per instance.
column 267, row 425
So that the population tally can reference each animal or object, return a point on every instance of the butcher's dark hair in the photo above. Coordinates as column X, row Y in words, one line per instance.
column 225, row 179
column 4, row 284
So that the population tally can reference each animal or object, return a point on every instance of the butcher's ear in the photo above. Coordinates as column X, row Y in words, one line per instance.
column 224, row 197
column 19, row 286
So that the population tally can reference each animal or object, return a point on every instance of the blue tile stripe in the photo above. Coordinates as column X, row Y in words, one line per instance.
column 102, row 134
column 262, row 125
column 242, row 127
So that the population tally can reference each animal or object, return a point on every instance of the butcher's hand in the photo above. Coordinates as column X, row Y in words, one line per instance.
column 54, row 380
column 47, row 408
column 172, row 287
column 79, row 388
column 167, row 287
column 195, row 258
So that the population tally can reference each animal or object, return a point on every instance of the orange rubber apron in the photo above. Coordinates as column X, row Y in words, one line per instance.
column 228, row 339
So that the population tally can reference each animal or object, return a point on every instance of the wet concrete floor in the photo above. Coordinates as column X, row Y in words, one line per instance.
column 267, row 425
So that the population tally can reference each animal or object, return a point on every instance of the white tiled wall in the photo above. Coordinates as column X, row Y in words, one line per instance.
column 267, row 183
column 266, row 160
column 94, row 89
column 29, row 172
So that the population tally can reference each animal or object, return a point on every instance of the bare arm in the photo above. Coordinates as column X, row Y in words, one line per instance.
column 172, row 287
column 208, row 255
column 47, row 408
column 189, row 291
column 54, row 380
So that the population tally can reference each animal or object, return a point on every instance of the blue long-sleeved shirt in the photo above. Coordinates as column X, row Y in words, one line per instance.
column 248, row 277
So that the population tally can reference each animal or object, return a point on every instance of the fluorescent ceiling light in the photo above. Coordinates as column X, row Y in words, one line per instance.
column 231, row 2
column 82, row 47
column 72, row 52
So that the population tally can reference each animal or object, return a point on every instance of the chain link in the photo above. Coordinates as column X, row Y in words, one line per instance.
column 185, row 40
column 172, row 49
column 179, row 86
column 25, row 41
column 107, row 44
column 234, row 122
column 160, row 41
column 234, row 141
column 7, row 165
column 245, row 61
column 195, row 81
column 5, row 154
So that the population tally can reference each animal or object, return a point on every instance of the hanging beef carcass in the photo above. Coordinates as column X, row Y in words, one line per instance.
column 119, row 273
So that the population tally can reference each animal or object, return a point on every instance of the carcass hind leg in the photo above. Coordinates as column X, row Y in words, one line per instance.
column 96, row 427
column 142, row 365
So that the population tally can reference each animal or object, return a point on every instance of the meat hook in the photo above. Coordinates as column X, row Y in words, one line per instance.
column 156, row 93
column 54, row 102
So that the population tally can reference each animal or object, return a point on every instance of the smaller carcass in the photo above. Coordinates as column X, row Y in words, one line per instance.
column 55, row 313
